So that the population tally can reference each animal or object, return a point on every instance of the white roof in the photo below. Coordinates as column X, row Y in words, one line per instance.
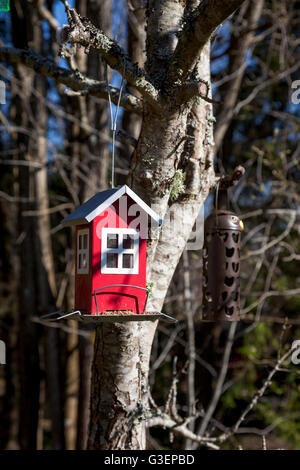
column 98, row 203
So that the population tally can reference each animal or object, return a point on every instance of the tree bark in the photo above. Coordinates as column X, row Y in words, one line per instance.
column 83, row 410
column 119, row 386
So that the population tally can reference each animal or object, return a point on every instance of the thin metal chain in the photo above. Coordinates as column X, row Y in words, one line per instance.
column 113, row 120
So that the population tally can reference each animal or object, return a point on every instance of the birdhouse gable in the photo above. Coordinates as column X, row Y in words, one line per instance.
column 87, row 212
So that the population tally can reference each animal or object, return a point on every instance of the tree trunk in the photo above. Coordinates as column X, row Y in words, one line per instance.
column 28, row 332
column 37, row 279
column 119, row 385
column 83, row 409
column 72, row 389
column 119, row 375
column 45, row 273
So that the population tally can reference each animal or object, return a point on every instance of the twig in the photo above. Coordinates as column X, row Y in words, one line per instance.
column 127, row 138
column 278, row 239
column 220, row 381
column 232, row 179
column 257, row 396
column 165, row 421
column 65, row 328
column 191, row 339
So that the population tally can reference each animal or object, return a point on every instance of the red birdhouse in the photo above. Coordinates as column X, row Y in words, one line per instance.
column 110, row 255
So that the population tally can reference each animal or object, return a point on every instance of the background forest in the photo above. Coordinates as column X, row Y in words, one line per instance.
column 55, row 152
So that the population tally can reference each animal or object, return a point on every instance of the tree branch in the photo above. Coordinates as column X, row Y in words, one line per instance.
column 237, row 67
column 258, row 395
column 82, row 31
column 193, row 88
column 126, row 138
column 45, row 14
column 73, row 79
column 220, row 382
column 232, row 179
column 165, row 421
column 198, row 27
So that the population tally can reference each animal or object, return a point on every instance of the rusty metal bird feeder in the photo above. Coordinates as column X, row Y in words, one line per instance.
column 221, row 266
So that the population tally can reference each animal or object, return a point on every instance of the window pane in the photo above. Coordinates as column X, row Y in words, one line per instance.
column 84, row 260
column 112, row 240
column 112, row 260
column 85, row 240
column 128, row 241
column 80, row 241
column 79, row 261
column 127, row 261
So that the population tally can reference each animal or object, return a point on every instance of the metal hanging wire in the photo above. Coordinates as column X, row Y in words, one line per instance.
column 217, row 200
column 113, row 119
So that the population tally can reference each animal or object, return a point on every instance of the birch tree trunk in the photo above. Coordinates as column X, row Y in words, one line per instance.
column 119, row 391
column 122, row 351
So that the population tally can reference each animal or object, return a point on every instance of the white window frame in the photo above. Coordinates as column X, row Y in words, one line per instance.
column 119, row 250
column 82, row 251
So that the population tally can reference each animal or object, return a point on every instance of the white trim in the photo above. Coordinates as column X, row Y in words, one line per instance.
column 118, row 192
column 83, row 251
column 108, row 202
column 114, row 197
column 142, row 204
column 119, row 250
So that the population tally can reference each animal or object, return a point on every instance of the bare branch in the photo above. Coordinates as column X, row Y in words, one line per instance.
column 199, row 26
column 237, row 70
column 127, row 138
column 263, row 389
column 83, row 32
column 73, row 79
column 220, row 382
column 166, row 422
column 193, row 88
column 45, row 14
column 233, row 178
column 265, row 247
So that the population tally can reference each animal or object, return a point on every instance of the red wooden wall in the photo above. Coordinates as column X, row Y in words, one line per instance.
column 117, row 298
column 83, row 282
